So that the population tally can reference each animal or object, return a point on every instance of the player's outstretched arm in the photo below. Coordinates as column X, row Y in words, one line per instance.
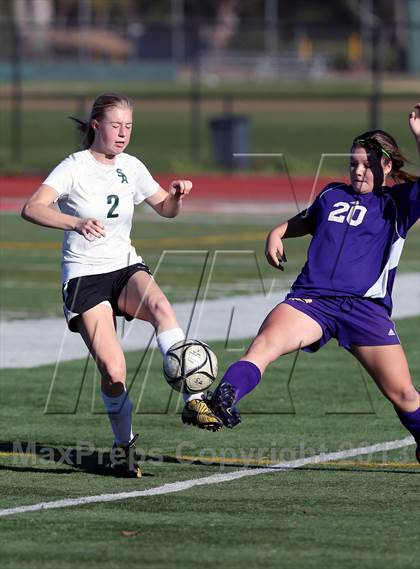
column 274, row 248
column 39, row 209
column 414, row 122
column 168, row 204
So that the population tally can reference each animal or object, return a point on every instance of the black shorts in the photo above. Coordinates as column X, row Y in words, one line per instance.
column 83, row 293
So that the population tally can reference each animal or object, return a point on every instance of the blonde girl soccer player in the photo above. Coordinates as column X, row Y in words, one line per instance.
column 96, row 190
column 344, row 291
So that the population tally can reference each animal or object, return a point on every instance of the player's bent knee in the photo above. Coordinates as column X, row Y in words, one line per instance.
column 405, row 396
column 161, row 308
column 263, row 350
column 113, row 371
column 410, row 394
column 258, row 345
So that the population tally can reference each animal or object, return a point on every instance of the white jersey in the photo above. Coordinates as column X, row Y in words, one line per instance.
column 88, row 188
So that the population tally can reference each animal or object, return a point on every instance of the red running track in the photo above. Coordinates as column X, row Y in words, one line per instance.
column 235, row 187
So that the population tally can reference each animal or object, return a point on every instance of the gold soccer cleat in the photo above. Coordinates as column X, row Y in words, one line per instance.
column 196, row 412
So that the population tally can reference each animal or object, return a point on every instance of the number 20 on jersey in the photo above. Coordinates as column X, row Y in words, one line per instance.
column 353, row 213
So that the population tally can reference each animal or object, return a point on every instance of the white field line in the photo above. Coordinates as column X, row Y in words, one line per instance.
column 36, row 342
column 209, row 480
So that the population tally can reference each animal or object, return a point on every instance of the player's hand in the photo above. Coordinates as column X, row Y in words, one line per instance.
column 274, row 251
column 414, row 121
column 90, row 228
column 180, row 188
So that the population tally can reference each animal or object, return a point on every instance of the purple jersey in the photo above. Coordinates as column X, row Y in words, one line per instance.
column 357, row 241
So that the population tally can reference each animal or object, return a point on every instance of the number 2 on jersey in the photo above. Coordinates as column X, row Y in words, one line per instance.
column 113, row 200
column 354, row 216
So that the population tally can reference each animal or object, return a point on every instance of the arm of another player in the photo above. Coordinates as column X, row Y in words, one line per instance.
column 274, row 249
column 414, row 122
column 168, row 204
column 39, row 209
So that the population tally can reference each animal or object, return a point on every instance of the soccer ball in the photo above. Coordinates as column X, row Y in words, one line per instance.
column 190, row 366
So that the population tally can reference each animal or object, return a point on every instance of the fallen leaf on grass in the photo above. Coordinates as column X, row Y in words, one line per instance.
column 128, row 533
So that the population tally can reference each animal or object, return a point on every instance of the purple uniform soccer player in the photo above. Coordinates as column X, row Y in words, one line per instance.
column 344, row 290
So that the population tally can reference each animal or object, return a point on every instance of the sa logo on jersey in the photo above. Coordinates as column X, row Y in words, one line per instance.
column 122, row 176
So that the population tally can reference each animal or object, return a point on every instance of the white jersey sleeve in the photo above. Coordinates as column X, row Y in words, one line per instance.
column 61, row 179
column 146, row 185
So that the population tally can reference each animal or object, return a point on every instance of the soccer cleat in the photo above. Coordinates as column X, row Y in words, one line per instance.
column 123, row 461
column 197, row 412
column 222, row 403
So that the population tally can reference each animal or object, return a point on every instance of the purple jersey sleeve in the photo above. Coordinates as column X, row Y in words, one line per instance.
column 407, row 202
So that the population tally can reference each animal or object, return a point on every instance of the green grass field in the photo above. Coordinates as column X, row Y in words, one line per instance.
column 300, row 129
column 328, row 514
column 357, row 511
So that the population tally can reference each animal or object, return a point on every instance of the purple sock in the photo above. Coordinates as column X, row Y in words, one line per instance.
column 244, row 376
column 411, row 422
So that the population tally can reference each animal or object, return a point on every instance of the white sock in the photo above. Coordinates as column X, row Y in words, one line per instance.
column 168, row 338
column 119, row 413
column 187, row 397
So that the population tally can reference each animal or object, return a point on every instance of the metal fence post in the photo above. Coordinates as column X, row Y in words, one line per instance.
column 16, row 98
column 377, row 55
column 195, row 98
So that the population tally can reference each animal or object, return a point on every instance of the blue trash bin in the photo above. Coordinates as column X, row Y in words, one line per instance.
column 231, row 135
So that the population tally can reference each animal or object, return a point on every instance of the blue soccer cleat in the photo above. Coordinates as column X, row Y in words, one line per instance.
column 222, row 403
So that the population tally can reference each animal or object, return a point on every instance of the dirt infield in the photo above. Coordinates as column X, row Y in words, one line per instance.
column 220, row 188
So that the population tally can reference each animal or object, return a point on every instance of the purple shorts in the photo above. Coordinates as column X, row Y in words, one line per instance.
column 352, row 321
